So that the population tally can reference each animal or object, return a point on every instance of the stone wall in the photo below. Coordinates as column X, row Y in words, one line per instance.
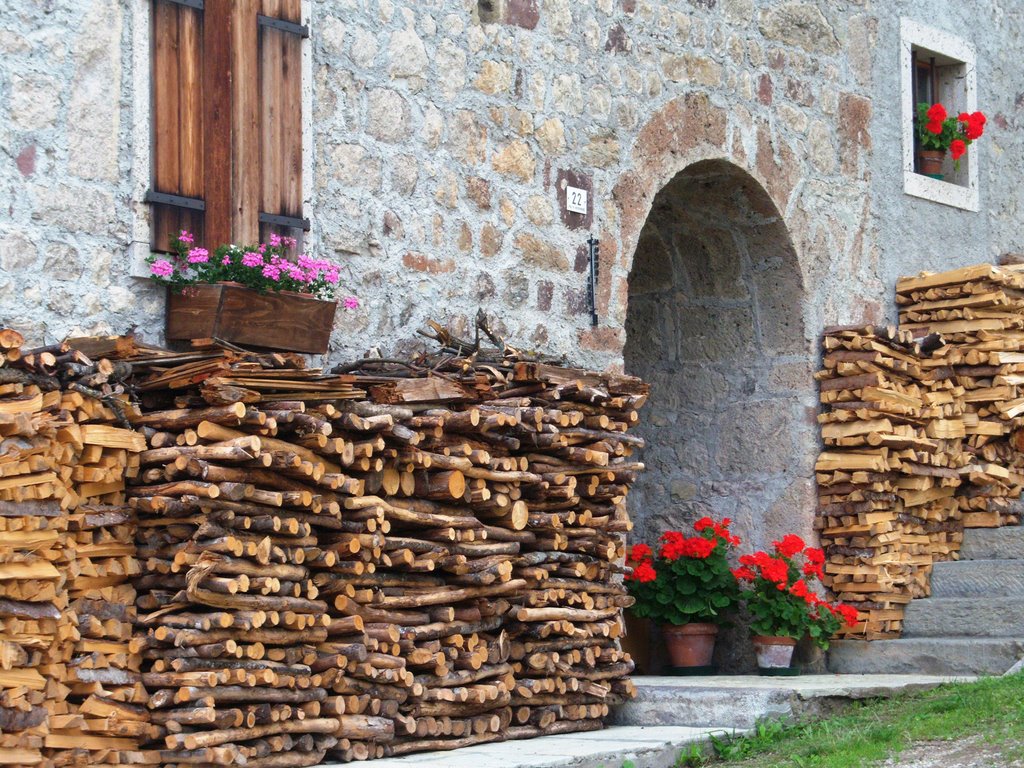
column 443, row 132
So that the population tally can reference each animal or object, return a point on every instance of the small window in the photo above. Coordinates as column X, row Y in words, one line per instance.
column 938, row 68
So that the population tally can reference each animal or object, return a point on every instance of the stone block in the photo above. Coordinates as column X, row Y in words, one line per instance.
column 495, row 77
column 714, row 334
column 353, row 166
column 33, row 102
column 693, row 69
column 407, row 53
column 710, row 262
column 540, row 254
column 479, row 191
column 799, row 24
column 387, row 115
column 551, row 136
column 467, row 138
column 517, row 160
column 420, row 262
column 601, row 151
column 491, row 239
column 754, row 438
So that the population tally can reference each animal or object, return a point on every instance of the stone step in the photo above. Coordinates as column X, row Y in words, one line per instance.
column 965, row 616
column 926, row 656
column 1005, row 543
column 978, row 578
column 741, row 701
column 646, row 747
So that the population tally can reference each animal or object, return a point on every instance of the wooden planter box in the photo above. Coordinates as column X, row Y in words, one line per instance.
column 280, row 321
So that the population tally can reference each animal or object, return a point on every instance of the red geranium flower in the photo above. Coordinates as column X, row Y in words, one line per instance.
column 699, row 547
column 936, row 114
column 775, row 570
column 640, row 552
column 704, row 522
column 790, row 545
column 847, row 613
column 813, row 569
column 643, row 573
column 815, row 555
column 800, row 589
column 743, row 573
column 974, row 124
column 935, row 128
column 957, row 147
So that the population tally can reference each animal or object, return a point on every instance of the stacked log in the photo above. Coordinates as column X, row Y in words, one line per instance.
column 979, row 310
column 892, row 424
column 226, row 600
column 61, row 448
column 34, row 624
column 37, row 629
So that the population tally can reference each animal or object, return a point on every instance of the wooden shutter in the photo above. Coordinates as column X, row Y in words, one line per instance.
column 227, row 120
column 279, row 97
column 177, row 189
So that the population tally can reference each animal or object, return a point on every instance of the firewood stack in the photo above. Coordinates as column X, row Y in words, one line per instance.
column 327, row 577
column 60, row 448
column 979, row 310
column 892, row 429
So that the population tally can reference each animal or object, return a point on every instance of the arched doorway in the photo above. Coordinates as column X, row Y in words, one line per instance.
column 716, row 325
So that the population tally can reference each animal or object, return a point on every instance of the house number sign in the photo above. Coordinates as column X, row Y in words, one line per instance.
column 576, row 200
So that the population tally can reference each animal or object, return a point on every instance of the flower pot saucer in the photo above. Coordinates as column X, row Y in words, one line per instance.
column 778, row 671
column 691, row 671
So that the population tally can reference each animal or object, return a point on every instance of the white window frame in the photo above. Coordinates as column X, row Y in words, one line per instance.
column 916, row 35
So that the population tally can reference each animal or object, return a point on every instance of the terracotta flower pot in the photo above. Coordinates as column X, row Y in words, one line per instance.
column 691, row 645
column 930, row 161
column 774, row 652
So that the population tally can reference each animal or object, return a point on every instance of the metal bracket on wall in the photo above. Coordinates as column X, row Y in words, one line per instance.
column 595, row 253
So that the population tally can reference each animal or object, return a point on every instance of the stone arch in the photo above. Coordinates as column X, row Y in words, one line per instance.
column 715, row 323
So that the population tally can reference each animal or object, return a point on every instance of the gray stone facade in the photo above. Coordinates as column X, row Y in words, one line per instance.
column 442, row 133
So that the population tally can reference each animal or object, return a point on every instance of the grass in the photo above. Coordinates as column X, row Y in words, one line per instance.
column 869, row 732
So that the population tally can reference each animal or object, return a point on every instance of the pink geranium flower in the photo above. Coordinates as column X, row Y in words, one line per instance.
column 351, row 302
column 252, row 259
column 162, row 268
column 198, row 256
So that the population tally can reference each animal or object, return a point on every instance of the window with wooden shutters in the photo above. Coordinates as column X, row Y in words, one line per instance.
column 227, row 120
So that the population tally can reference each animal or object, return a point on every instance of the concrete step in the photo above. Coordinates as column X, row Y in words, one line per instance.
column 926, row 656
column 654, row 747
column 1005, row 543
column 978, row 578
column 965, row 616
column 740, row 701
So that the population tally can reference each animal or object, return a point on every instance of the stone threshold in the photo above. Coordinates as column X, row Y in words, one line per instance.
column 740, row 701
